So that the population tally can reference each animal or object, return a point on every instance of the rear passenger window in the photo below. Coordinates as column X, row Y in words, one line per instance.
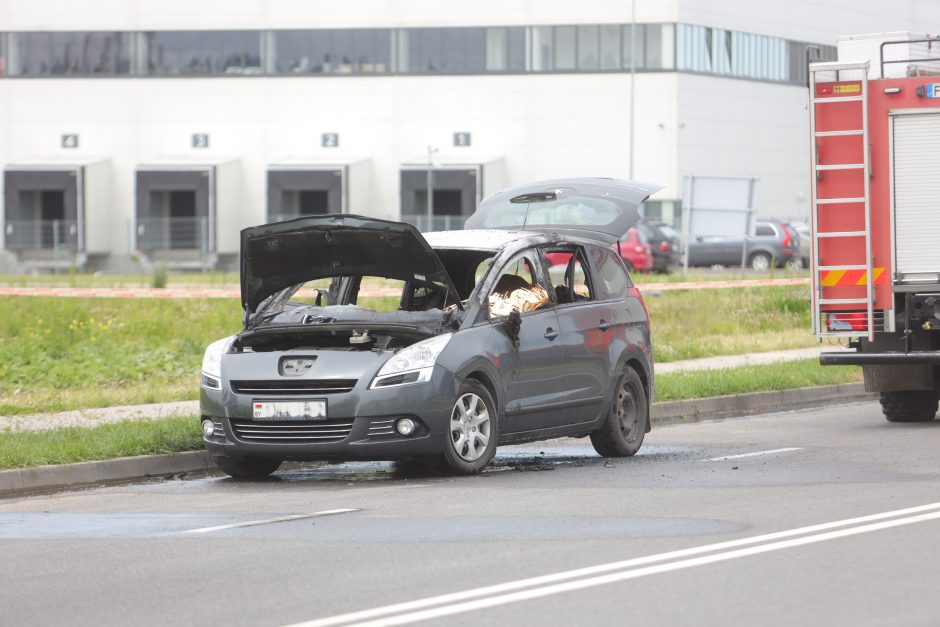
column 612, row 280
column 765, row 230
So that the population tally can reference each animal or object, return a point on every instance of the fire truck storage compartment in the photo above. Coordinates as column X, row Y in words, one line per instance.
column 178, row 207
column 916, row 198
column 49, row 205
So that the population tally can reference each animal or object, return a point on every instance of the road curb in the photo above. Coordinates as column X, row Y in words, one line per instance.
column 714, row 407
column 45, row 478
column 106, row 471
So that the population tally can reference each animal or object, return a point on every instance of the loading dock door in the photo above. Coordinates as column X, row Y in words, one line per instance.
column 916, row 141
column 175, row 210
column 455, row 196
column 297, row 191
column 43, row 208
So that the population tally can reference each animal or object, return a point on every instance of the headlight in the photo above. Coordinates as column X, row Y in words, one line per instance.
column 412, row 364
column 212, row 360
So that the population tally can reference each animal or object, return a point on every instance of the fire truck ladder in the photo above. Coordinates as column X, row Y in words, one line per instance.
column 856, row 203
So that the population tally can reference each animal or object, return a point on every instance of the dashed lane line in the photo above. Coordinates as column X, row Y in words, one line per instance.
column 754, row 454
column 268, row 521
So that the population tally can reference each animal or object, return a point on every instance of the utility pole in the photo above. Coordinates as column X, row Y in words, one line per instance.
column 430, row 226
column 632, row 79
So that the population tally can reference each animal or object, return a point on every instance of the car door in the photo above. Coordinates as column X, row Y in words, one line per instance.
column 537, row 370
column 587, row 326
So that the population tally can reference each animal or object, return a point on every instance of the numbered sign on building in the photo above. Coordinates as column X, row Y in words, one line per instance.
column 461, row 139
column 70, row 140
column 329, row 140
column 200, row 140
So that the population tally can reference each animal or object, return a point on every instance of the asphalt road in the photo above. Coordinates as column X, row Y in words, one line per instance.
column 820, row 517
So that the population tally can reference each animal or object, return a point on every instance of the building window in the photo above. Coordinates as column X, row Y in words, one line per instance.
column 588, row 47
column 443, row 50
column 505, row 49
column 3, row 54
column 610, row 47
column 69, row 54
column 366, row 51
column 542, row 44
column 201, row 53
column 565, row 48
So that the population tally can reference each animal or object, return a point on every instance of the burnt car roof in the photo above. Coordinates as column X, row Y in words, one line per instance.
column 282, row 254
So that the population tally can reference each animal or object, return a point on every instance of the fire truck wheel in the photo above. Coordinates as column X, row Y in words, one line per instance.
column 910, row 406
column 760, row 262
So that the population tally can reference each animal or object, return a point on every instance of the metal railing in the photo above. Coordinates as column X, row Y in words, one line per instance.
column 51, row 235
column 161, row 234
column 437, row 223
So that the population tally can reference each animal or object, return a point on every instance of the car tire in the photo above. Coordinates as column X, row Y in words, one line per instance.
column 622, row 433
column 472, row 431
column 909, row 406
column 795, row 264
column 247, row 467
column 760, row 262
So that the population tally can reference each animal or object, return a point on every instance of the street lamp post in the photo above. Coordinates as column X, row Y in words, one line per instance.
column 632, row 79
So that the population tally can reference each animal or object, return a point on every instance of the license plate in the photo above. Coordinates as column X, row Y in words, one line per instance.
column 289, row 410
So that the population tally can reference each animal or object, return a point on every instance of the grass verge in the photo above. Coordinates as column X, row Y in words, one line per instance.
column 677, row 386
column 77, row 444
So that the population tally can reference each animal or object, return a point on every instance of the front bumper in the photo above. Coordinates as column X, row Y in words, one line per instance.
column 370, row 412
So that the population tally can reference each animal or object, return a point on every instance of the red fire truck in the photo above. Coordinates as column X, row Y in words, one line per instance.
column 875, row 132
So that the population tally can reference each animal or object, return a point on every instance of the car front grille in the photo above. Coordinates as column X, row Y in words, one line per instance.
column 292, row 432
column 300, row 387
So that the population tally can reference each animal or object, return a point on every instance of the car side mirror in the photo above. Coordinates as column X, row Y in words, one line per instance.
column 512, row 324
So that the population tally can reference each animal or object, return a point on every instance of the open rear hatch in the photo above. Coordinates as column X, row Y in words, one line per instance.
column 596, row 208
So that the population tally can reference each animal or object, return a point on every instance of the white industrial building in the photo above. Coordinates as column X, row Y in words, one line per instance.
column 157, row 129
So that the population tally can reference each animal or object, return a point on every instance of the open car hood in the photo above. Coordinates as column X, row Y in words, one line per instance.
column 598, row 208
column 279, row 255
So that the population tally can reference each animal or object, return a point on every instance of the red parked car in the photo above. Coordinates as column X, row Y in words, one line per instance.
column 635, row 251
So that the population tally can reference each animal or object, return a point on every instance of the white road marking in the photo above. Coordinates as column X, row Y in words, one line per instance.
column 252, row 523
column 755, row 454
column 464, row 601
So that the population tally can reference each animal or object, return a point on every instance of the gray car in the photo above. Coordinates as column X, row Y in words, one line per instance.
column 478, row 347
column 771, row 244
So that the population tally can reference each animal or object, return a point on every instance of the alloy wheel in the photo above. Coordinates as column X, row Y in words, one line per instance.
column 470, row 427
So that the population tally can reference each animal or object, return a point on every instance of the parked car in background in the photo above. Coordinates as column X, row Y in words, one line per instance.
column 771, row 245
column 665, row 244
column 482, row 347
column 635, row 251
column 806, row 244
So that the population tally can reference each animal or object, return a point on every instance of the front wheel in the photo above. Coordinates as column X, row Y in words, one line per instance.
column 247, row 467
column 470, row 441
column 622, row 433
column 909, row 406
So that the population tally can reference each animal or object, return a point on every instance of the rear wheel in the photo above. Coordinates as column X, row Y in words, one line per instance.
column 622, row 433
column 909, row 406
column 760, row 262
column 470, row 442
column 247, row 467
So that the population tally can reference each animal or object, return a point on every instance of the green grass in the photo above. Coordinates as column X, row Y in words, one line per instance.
column 71, row 353
column 690, row 324
column 76, row 444
column 677, row 386
column 143, row 279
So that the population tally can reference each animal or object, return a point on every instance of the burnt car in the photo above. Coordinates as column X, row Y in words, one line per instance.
column 473, row 344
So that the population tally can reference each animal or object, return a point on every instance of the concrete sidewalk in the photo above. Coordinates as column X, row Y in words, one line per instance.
column 105, row 415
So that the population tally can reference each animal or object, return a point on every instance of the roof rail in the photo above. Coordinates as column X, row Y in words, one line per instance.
column 881, row 51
